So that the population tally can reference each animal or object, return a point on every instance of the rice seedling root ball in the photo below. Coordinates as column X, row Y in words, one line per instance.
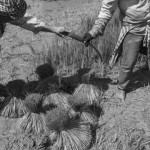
column 67, row 132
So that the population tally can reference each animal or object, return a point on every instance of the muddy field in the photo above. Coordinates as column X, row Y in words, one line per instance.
column 121, row 126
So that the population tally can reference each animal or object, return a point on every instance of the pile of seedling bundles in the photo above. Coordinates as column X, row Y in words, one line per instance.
column 65, row 110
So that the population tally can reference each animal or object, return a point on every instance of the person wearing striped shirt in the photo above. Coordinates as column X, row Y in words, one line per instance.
column 134, row 34
column 14, row 12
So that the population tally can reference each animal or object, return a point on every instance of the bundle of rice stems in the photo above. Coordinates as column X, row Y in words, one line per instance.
column 15, row 107
column 49, row 85
column 83, row 109
column 33, row 121
column 44, row 71
column 88, row 93
column 67, row 132
column 58, row 100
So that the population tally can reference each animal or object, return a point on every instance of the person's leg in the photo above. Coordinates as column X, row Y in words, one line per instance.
column 131, row 47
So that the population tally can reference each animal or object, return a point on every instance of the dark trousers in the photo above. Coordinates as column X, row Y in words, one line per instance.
column 130, row 49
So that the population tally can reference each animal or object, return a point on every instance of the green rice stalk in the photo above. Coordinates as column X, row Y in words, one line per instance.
column 44, row 71
column 67, row 132
column 77, row 136
column 88, row 93
column 31, row 123
column 14, row 109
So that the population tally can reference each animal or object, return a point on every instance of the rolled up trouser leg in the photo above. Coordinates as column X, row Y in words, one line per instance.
column 131, row 47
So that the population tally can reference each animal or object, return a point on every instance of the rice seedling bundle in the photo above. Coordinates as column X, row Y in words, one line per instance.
column 88, row 93
column 14, row 109
column 13, row 103
column 58, row 100
column 67, row 132
column 49, row 85
column 33, row 102
column 83, row 109
column 44, row 71
column 33, row 121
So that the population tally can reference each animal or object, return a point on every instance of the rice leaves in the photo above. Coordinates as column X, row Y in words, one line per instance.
column 88, row 93
column 67, row 132
column 14, row 109
column 31, row 123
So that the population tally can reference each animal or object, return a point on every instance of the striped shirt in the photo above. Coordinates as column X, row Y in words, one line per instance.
column 134, row 16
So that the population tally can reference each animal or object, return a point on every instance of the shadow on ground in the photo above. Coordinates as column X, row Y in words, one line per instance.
column 140, row 79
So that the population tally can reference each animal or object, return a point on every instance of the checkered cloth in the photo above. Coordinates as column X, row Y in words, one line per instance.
column 15, row 9
column 117, row 51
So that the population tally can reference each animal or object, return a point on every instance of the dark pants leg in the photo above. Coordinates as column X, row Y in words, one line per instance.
column 131, row 48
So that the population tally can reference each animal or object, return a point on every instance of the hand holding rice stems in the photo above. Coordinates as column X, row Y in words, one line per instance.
column 33, row 121
column 68, row 132
column 89, row 93
column 15, row 107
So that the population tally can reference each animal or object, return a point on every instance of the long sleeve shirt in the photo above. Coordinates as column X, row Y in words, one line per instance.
column 132, row 13
column 134, row 17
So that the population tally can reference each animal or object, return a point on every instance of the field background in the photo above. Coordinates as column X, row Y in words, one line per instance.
column 21, row 51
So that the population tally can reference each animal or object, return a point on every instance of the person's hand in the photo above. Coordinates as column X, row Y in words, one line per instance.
column 62, row 31
column 87, row 38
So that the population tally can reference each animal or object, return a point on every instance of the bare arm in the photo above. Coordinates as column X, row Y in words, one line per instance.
column 106, row 12
column 31, row 23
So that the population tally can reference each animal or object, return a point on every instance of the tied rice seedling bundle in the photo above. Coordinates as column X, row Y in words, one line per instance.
column 44, row 71
column 83, row 109
column 67, row 132
column 49, row 85
column 89, row 93
column 14, row 108
column 33, row 121
column 58, row 100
